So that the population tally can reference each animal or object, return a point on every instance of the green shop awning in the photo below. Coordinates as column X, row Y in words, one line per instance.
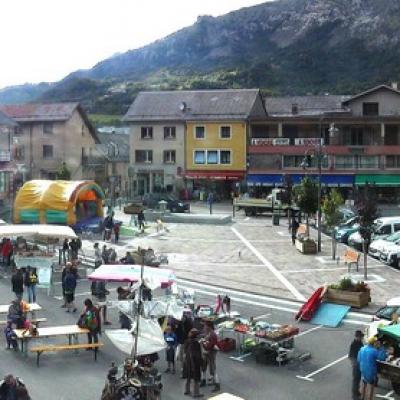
column 379, row 180
column 391, row 330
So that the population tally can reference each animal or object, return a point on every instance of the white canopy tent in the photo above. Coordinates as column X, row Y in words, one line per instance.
column 43, row 231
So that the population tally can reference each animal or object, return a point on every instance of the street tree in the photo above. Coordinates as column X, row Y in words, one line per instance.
column 63, row 172
column 306, row 198
column 330, row 208
column 367, row 211
column 287, row 193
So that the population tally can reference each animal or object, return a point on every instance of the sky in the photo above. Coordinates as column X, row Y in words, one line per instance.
column 44, row 40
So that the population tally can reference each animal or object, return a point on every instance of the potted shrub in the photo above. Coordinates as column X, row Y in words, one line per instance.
column 347, row 292
column 306, row 245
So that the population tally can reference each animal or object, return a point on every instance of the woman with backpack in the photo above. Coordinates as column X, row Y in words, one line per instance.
column 90, row 319
column 30, row 282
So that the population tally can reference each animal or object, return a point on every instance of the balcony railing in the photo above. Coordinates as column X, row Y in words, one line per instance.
column 5, row 156
column 286, row 141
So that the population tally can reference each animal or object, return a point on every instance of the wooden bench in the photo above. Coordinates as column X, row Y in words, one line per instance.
column 35, row 321
column 42, row 349
column 350, row 257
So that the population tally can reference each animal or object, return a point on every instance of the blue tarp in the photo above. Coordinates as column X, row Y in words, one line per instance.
column 330, row 314
column 277, row 179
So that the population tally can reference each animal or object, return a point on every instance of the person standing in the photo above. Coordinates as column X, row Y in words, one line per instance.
column 7, row 251
column 108, row 226
column 112, row 256
column 116, row 232
column 353, row 354
column 98, row 260
column 17, row 282
column 367, row 359
column 65, row 248
column 104, row 254
column 74, row 246
column 209, row 345
column 99, row 295
column 30, row 282
column 171, row 342
column 193, row 362
column 294, row 226
column 141, row 220
column 90, row 319
column 69, row 288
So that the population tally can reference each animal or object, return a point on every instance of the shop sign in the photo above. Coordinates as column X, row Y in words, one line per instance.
column 308, row 141
column 271, row 142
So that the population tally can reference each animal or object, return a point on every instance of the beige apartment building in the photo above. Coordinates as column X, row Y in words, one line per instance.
column 49, row 135
column 157, row 143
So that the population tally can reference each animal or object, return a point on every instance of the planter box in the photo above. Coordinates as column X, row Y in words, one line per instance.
column 354, row 299
column 307, row 247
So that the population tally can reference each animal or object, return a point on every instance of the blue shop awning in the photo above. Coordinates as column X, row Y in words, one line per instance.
column 277, row 179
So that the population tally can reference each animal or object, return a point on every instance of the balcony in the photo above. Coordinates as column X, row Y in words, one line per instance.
column 5, row 155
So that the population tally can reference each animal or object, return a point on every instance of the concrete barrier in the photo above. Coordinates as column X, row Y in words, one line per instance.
column 183, row 218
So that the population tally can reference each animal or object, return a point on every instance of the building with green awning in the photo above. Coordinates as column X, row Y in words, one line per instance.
column 378, row 180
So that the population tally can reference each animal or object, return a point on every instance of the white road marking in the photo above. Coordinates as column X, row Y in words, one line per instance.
column 309, row 331
column 241, row 358
column 387, row 396
column 247, row 218
column 272, row 269
column 309, row 376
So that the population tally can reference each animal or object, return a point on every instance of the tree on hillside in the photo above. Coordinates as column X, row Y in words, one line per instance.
column 367, row 210
column 306, row 197
column 330, row 208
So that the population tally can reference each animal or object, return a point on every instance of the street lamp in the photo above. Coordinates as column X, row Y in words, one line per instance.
column 332, row 131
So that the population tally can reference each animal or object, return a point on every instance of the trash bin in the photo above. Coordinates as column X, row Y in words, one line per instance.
column 275, row 219
column 162, row 205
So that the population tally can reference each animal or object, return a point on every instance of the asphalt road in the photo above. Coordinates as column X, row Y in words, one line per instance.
column 70, row 376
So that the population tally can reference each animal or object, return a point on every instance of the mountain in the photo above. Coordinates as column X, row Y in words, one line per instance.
column 283, row 46
column 22, row 93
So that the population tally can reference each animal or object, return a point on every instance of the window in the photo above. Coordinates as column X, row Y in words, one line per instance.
column 384, row 230
column 19, row 152
column 18, row 130
column 112, row 150
column 225, row 132
column 353, row 162
column 47, row 151
column 225, row 157
column 144, row 156
column 169, row 157
column 48, row 128
column 169, row 132
column 393, row 161
column 370, row 109
column 368, row 162
column 200, row 132
column 297, row 161
column 199, row 157
column 345, row 162
column 147, row 132
column 396, row 227
column 212, row 157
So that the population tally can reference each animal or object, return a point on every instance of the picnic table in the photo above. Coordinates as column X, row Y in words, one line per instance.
column 72, row 331
column 32, row 308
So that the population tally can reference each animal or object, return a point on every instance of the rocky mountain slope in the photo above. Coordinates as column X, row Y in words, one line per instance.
column 284, row 46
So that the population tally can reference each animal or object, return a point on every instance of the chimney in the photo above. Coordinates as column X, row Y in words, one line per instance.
column 395, row 86
column 295, row 109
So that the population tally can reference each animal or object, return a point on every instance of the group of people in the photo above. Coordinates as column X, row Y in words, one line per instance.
column 70, row 249
column 364, row 362
column 196, row 350
column 110, row 226
column 25, row 280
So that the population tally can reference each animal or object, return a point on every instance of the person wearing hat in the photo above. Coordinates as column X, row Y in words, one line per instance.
column 193, row 363
column 355, row 347
column 367, row 359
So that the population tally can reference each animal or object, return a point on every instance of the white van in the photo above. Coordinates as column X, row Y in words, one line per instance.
column 382, row 228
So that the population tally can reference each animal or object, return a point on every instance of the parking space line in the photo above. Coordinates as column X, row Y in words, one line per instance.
column 241, row 358
column 309, row 376
column 387, row 396
column 309, row 331
column 272, row 269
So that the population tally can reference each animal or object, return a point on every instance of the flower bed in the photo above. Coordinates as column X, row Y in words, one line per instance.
column 306, row 246
column 346, row 292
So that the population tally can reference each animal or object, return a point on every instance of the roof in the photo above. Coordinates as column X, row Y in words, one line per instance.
column 185, row 105
column 306, row 105
column 374, row 89
column 6, row 121
column 46, row 112
column 119, row 141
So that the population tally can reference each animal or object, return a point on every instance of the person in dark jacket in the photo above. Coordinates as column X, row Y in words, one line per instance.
column 65, row 251
column 90, row 319
column 17, row 282
column 13, row 389
column 294, row 226
column 30, row 282
column 182, row 333
column 69, row 289
column 355, row 347
column 141, row 220
column 193, row 363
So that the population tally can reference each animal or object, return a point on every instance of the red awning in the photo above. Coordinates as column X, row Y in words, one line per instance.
column 223, row 175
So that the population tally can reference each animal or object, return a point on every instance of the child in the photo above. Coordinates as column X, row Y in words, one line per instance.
column 171, row 341
column 11, row 337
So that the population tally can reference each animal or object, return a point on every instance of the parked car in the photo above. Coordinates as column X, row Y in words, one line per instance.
column 382, row 228
column 133, row 208
column 174, row 205
column 383, row 316
column 390, row 254
column 343, row 231
column 378, row 245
